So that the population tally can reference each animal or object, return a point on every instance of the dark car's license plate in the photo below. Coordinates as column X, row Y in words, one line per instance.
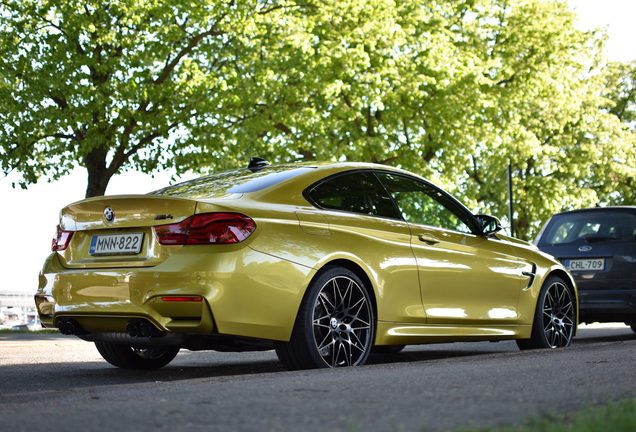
column 585, row 265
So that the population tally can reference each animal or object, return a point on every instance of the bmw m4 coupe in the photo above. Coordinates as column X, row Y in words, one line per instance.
column 322, row 262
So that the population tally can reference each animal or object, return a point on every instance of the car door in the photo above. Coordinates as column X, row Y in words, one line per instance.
column 464, row 278
column 365, row 224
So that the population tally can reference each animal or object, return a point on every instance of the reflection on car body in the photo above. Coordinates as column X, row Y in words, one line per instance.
column 323, row 262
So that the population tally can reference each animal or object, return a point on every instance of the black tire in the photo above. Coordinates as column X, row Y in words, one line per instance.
column 335, row 325
column 126, row 357
column 554, row 318
column 633, row 326
column 387, row 349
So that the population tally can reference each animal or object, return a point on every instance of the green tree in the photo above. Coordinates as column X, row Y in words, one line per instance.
column 546, row 118
column 124, row 84
column 620, row 92
column 454, row 90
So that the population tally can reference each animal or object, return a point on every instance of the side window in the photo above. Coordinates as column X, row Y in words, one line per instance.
column 422, row 204
column 359, row 192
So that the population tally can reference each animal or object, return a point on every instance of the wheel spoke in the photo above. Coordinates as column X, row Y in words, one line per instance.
column 358, row 343
column 339, row 300
column 322, row 318
column 555, row 335
column 326, row 304
column 562, row 296
column 568, row 309
column 340, row 351
column 359, row 305
column 346, row 348
column 365, row 326
column 346, row 297
column 325, row 341
column 319, row 325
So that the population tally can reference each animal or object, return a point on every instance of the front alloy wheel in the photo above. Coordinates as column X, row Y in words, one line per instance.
column 335, row 325
column 555, row 317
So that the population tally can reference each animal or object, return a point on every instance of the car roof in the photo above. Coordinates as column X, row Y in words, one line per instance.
column 265, row 177
column 610, row 208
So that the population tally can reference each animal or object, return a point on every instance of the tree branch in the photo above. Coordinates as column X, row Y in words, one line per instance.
column 285, row 129
column 168, row 68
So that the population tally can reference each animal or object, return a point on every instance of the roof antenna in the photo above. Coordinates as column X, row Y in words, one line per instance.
column 257, row 163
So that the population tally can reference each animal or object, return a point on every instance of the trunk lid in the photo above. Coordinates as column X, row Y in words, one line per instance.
column 120, row 220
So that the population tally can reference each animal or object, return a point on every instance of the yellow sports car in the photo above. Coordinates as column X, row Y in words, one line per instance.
column 321, row 262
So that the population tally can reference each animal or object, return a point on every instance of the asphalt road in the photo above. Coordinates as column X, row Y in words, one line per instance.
column 61, row 383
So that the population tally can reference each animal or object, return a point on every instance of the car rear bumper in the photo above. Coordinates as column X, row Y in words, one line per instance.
column 607, row 306
column 218, row 293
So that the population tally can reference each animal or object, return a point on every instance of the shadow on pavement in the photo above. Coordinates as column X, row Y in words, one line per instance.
column 207, row 364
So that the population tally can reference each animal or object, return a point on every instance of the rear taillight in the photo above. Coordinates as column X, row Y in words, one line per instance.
column 61, row 239
column 207, row 228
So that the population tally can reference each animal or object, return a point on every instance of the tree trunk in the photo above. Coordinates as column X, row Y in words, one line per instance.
column 98, row 173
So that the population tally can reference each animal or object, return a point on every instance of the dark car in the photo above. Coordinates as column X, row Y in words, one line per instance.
column 598, row 246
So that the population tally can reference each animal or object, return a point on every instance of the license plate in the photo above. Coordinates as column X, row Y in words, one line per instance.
column 585, row 265
column 113, row 244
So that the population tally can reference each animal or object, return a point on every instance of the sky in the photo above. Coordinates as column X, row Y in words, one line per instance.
column 28, row 218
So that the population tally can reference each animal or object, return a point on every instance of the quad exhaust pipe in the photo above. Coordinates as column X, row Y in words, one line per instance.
column 71, row 327
column 137, row 328
column 142, row 329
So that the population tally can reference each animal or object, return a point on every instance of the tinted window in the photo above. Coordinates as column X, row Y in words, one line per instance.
column 592, row 226
column 422, row 204
column 236, row 181
column 359, row 192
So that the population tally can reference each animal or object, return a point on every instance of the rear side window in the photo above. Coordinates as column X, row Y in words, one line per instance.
column 592, row 226
column 236, row 181
column 359, row 192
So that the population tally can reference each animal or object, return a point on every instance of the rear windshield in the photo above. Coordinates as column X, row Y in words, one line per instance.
column 589, row 227
column 230, row 182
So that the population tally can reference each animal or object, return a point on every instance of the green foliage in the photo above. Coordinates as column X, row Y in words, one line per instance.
column 615, row 416
column 453, row 90
column 118, row 85
column 620, row 89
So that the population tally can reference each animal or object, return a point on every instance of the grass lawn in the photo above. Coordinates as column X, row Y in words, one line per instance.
column 615, row 417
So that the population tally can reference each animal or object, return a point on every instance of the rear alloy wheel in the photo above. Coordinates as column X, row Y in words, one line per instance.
column 554, row 318
column 127, row 357
column 335, row 324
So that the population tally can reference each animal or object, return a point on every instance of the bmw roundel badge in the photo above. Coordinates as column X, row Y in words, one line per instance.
column 109, row 214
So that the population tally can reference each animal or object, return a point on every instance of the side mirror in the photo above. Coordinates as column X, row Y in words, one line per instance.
column 489, row 225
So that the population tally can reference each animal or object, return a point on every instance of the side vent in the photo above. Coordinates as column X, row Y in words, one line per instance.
column 531, row 274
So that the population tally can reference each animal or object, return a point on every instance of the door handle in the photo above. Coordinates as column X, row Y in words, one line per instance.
column 429, row 239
